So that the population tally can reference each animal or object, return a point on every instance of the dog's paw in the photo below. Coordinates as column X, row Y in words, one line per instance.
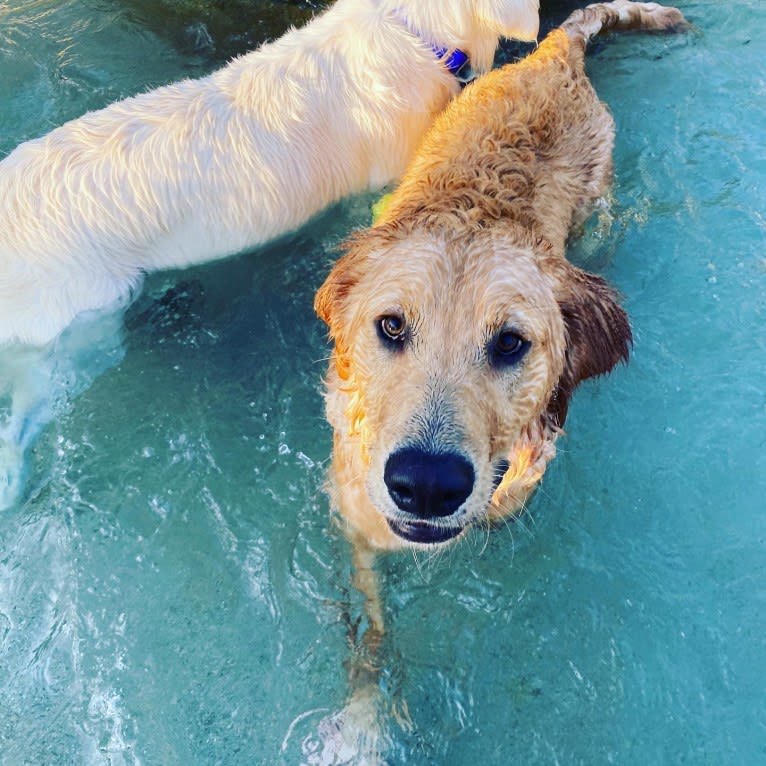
column 352, row 737
column 11, row 473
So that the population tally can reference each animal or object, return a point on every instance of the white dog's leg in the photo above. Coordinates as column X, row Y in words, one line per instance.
column 25, row 374
column 38, row 383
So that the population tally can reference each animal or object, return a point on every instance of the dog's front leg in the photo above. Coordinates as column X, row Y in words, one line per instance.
column 367, row 583
column 364, row 667
column 356, row 734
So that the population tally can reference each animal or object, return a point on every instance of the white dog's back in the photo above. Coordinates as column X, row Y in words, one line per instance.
column 206, row 168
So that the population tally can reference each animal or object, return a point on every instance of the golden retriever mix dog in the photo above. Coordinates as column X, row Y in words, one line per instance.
column 460, row 330
column 206, row 168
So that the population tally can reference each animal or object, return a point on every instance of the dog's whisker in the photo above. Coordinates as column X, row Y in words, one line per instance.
column 418, row 564
column 485, row 530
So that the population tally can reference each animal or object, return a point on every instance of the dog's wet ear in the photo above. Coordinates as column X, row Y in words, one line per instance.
column 332, row 292
column 598, row 333
column 331, row 298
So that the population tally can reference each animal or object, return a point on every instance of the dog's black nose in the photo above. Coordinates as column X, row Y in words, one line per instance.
column 426, row 484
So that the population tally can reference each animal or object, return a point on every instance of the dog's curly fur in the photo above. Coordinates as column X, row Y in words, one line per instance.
column 472, row 244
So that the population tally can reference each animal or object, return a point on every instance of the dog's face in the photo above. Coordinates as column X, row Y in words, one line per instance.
column 453, row 363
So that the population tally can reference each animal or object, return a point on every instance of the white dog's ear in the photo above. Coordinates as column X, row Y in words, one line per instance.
column 598, row 333
column 517, row 19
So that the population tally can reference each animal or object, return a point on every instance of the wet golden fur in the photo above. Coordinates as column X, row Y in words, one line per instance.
column 473, row 244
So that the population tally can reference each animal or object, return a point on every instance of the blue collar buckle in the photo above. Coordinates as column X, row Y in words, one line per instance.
column 453, row 59
column 455, row 62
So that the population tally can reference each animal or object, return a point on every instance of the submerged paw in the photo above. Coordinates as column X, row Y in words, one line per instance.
column 11, row 473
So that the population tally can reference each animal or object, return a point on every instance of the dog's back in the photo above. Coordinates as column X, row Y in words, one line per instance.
column 530, row 142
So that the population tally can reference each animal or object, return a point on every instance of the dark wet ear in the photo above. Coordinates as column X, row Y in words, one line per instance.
column 598, row 333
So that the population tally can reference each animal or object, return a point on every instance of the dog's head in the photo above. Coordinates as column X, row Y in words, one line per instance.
column 454, row 360
column 471, row 25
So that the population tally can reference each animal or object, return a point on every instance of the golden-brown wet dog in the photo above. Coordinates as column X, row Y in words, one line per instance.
column 460, row 329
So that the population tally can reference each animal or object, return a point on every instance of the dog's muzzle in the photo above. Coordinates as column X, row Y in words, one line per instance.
column 427, row 488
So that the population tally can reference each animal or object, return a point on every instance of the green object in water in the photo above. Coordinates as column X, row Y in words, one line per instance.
column 380, row 207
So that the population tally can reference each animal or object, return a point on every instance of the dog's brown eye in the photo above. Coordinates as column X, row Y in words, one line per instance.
column 507, row 348
column 391, row 329
column 508, row 342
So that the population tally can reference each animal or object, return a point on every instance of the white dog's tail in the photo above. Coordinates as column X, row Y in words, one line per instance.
column 622, row 15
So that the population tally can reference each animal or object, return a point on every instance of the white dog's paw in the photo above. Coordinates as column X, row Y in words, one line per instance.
column 11, row 473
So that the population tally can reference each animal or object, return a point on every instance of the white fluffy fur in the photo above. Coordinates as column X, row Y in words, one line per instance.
column 205, row 168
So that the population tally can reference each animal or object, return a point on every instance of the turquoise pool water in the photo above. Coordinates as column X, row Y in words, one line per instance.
column 172, row 591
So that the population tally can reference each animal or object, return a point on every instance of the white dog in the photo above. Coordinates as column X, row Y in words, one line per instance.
column 206, row 168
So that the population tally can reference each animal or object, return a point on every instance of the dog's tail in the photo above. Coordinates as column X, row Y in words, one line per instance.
column 621, row 15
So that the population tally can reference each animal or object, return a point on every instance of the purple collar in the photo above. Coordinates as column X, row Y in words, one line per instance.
column 453, row 59
column 454, row 62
